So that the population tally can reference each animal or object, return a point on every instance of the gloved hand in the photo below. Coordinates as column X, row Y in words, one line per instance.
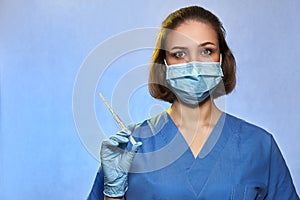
column 116, row 161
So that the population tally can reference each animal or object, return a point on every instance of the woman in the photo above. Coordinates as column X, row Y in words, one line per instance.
column 193, row 150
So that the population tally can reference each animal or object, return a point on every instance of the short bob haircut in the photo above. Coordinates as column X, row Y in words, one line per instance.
column 157, row 83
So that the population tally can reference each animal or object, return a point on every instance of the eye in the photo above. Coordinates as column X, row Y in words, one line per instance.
column 206, row 52
column 178, row 54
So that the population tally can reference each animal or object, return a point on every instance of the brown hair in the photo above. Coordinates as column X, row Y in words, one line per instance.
column 157, row 84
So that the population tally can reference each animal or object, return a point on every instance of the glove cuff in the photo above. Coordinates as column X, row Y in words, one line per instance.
column 116, row 189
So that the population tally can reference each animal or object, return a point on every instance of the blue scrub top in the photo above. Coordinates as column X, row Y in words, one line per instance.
column 238, row 161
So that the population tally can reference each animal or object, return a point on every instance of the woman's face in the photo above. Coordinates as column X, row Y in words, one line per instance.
column 192, row 41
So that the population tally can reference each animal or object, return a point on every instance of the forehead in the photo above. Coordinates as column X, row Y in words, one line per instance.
column 191, row 33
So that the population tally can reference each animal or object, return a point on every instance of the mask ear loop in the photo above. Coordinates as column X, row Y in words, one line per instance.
column 166, row 63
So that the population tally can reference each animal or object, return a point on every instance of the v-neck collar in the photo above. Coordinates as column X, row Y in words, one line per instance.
column 207, row 158
column 169, row 145
column 211, row 144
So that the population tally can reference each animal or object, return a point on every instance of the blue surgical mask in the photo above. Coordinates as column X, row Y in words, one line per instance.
column 193, row 82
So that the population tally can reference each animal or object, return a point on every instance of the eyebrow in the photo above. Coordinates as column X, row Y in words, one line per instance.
column 207, row 43
column 178, row 47
column 200, row 45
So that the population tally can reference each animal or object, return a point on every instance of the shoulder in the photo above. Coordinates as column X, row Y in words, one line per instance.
column 248, row 133
column 152, row 126
column 154, row 133
column 245, row 128
column 249, row 143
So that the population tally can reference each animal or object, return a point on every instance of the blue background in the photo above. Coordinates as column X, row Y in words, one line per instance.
column 44, row 43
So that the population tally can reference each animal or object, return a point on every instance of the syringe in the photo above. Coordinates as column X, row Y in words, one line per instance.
column 116, row 118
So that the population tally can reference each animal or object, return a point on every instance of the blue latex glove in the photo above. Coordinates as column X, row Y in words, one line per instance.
column 116, row 161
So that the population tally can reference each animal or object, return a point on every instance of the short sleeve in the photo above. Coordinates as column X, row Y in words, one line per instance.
column 280, row 181
column 98, row 187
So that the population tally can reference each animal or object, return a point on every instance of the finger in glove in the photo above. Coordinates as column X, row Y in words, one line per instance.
column 119, row 139
column 109, row 142
column 136, row 147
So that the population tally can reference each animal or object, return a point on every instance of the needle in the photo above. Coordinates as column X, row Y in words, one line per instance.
column 116, row 118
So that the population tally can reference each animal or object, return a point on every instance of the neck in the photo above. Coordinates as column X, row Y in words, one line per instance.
column 205, row 114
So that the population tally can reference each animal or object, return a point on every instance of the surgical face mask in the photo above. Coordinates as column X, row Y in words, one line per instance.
column 193, row 82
